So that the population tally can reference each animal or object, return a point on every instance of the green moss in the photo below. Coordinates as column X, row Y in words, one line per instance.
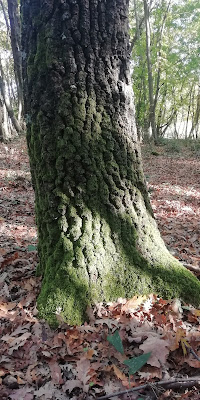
column 97, row 238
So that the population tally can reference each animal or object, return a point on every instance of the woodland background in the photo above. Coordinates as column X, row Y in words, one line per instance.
column 164, row 43
column 88, row 361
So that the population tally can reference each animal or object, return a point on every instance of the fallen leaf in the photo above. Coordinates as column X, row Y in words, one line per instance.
column 116, row 341
column 83, row 367
column 158, row 348
column 71, row 384
column 119, row 374
column 136, row 363
column 56, row 374
column 133, row 303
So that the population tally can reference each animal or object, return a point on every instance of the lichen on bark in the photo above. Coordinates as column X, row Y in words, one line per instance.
column 98, row 239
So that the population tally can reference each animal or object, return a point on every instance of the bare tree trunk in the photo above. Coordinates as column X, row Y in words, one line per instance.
column 196, row 114
column 7, row 101
column 5, row 17
column 16, row 49
column 1, row 121
column 150, row 76
column 188, row 113
column 137, row 34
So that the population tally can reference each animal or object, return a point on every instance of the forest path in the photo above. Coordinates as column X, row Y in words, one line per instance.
column 75, row 362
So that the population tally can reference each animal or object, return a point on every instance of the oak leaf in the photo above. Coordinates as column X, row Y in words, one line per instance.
column 158, row 348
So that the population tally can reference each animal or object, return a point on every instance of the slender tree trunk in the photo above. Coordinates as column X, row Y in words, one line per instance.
column 16, row 49
column 2, row 134
column 150, row 76
column 139, row 25
column 5, row 129
column 159, row 67
column 7, row 101
column 196, row 115
column 137, row 33
column 98, row 239
column 188, row 113
column 5, row 17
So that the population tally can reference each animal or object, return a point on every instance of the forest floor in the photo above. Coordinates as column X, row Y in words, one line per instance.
column 147, row 345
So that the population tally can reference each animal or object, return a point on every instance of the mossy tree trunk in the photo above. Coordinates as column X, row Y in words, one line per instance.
column 98, row 239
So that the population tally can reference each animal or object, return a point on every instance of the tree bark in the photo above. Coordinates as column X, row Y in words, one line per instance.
column 7, row 101
column 150, row 75
column 5, row 17
column 2, row 133
column 196, row 115
column 15, row 36
column 98, row 239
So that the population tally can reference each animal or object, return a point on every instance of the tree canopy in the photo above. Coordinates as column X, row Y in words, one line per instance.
column 174, row 52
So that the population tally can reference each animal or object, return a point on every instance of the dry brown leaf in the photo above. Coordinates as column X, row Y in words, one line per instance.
column 56, row 374
column 83, row 367
column 22, row 394
column 111, row 323
column 89, row 354
column 7, row 306
column 150, row 373
column 47, row 354
column 158, row 348
column 71, row 384
column 118, row 373
column 180, row 333
column 20, row 381
column 133, row 303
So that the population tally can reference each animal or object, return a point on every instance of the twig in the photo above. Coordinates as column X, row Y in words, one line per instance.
column 184, row 382
column 190, row 350
column 194, row 354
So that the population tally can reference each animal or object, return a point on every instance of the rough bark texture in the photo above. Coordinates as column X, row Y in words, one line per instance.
column 97, row 236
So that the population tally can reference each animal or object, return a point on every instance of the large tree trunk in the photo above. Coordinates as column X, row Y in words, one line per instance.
column 98, row 239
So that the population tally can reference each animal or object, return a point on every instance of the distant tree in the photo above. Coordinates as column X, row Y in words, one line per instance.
column 98, row 239
column 15, row 35
column 166, row 65
column 10, row 100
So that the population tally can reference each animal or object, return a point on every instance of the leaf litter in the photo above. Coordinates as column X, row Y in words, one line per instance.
column 125, row 344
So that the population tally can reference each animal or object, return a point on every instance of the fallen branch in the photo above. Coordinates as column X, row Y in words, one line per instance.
column 190, row 350
column 167, row 384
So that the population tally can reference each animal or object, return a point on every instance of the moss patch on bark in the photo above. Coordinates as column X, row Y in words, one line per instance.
column 102, row 266
column 98, row 239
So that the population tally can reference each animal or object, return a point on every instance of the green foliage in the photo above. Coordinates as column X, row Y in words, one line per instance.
column 175, row 60
column 135, row 363
column 116, row 341
column 31, row 247
column 173, row 146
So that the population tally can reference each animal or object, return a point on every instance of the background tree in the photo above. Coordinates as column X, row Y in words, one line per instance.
column 15, row 36
column 98, row 239
column 173, row 55
column 11, row 101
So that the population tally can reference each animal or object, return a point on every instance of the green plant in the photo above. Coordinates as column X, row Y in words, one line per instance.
column 134, row 364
